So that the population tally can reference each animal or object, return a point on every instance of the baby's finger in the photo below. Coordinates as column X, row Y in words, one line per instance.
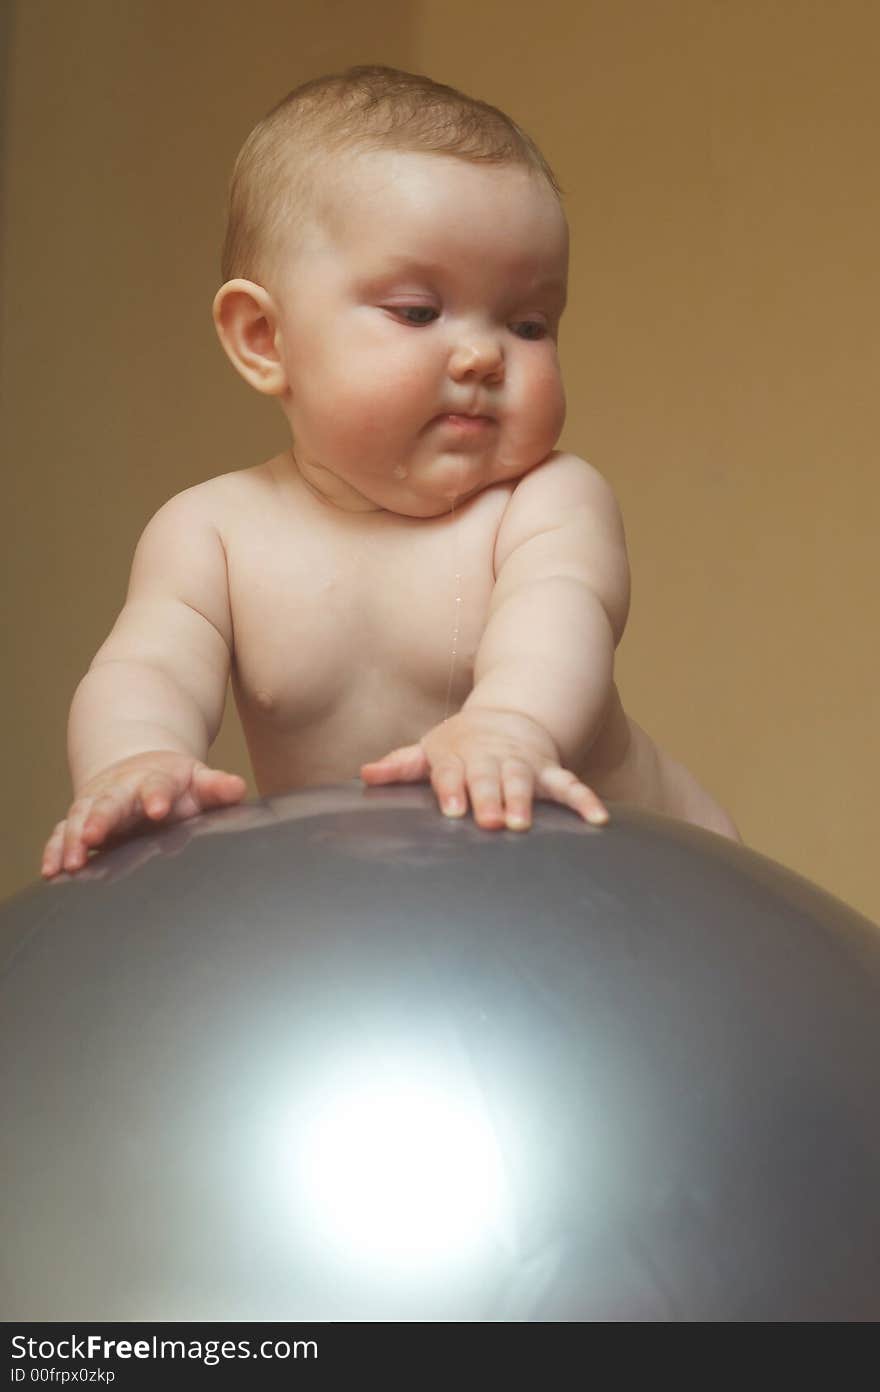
column 107, row 811
column 409, row 764
column 518, row 783
column 484, row 786
column 75, row 851
column 53, row 852
column 563, row 786
column 448, row 782
column 216, row 788
column 157, row 793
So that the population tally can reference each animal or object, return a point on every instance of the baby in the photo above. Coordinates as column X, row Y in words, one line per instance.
column 422, row 572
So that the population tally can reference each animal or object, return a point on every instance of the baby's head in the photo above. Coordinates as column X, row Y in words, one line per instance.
column 395, row 270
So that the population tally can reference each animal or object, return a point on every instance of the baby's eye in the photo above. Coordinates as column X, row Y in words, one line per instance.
column 415, row 314
column 530, row 329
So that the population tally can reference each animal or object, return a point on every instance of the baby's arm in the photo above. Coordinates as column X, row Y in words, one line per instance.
column 544, row 668
column 559, row 606
column 147, row 711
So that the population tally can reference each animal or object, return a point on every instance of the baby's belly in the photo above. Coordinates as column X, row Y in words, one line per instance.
column 291, row 749
column 320, row 724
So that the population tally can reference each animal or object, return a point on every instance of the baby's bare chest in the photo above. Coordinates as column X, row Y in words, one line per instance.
column 331, row 615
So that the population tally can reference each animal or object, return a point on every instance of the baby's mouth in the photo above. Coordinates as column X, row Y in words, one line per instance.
column 457, row 421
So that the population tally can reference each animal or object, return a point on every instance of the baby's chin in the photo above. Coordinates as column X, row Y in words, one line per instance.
column 446, row 482
column 419, row 488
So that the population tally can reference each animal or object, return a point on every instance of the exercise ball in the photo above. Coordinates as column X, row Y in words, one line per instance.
column 332, row 1056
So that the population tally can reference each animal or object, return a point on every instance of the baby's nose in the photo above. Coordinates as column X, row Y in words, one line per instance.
column 478, row 355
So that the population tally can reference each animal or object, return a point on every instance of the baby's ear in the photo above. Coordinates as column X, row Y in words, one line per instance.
column 246, row 321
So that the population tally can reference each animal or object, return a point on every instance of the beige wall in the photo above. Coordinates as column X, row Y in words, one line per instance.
column 721, row 348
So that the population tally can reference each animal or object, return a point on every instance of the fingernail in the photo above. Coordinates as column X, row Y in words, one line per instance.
column 598, row 817
column 517, row 822
column 453, row 807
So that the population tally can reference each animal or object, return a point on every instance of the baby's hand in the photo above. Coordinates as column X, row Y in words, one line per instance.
column 501, row 759
column 160, row 785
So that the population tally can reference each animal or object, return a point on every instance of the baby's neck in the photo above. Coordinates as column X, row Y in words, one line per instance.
column 332, row 491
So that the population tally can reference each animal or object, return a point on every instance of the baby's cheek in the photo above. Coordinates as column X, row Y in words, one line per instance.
column 552, row 391
column 365, row 427
column 543, row 415
column 383, row 392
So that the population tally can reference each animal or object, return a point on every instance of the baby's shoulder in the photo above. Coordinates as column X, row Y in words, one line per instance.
column 554, row 492
column 563, row 479
column 220, row 502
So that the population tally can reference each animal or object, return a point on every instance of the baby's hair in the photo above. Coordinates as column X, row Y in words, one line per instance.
column 364, row 108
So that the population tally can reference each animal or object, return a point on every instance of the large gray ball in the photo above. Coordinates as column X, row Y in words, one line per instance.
column 333, row 1056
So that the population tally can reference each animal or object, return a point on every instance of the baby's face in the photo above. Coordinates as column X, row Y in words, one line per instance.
column 418, row 322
